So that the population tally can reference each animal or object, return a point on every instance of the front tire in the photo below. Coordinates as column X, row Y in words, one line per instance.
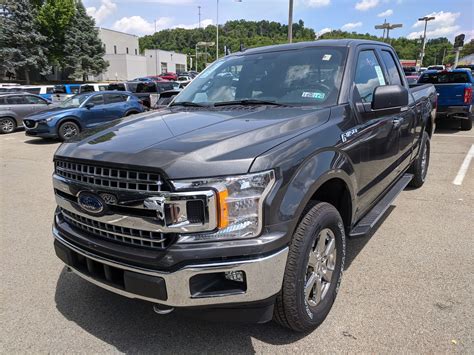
column 313, row 270
column 68, row 130
column 7, row 125
column 419, row 167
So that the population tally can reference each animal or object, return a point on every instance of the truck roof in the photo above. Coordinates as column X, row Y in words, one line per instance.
column 318, row 43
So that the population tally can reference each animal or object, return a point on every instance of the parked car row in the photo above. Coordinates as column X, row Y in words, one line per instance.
column 64, row 120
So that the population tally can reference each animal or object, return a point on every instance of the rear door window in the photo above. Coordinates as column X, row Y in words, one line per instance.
column 392, row 69
column 368, row 75
column 17, row 100
column 115, row 98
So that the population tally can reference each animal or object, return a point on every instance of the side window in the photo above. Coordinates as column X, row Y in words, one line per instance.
column 114, row 98
column 17, row 100
column 97, row 100
column 33, row 100
column 74, row 89
column 368, row 75
column 49, row 90
column 392, row 69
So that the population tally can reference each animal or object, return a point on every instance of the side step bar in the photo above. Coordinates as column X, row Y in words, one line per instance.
column 368, row 222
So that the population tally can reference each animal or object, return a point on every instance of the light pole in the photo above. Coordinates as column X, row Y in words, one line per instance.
column 156, row 56
column 426, row 19
column 290, row 22
column 386, row 27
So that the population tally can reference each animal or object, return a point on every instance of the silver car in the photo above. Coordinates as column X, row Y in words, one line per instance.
column 16, row 106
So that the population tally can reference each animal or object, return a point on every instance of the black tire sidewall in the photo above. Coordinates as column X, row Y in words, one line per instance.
column 329, row 218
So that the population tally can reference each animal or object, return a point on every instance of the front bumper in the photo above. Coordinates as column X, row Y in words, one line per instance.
column 263, row 277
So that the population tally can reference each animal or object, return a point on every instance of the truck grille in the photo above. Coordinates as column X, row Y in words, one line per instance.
column 123, row 235
column 123, row 179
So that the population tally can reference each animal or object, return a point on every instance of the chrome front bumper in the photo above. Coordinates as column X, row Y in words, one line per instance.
column 264, row 277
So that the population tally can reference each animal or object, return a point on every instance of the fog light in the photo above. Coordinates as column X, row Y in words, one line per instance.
column 235, row 276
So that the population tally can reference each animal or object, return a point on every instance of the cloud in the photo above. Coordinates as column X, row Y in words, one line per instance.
column 387, row 13
column 106, row 8
column 323, row 31
column 365, row 5
column 444, row 25
column 204, row 24
column 351, row 25
column 139, row 26
column 317, row 3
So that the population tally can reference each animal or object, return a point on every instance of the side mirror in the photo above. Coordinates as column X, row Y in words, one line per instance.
column 389, row 97
column 89, row 105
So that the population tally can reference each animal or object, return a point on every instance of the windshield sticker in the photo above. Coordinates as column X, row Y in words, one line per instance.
column 327, row 57
column 314, row 95
column 379, row 75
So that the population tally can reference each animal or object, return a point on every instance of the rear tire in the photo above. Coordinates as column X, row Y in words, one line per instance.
column 466, row 125
column 7, row 125
column 68, row 130
column 419, row 167
column 313, row 269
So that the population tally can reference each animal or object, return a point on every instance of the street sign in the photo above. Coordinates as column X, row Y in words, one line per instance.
column 459, row 40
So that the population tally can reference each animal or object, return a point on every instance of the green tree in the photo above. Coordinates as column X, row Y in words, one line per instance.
column 54, row 18
column 22, row 46
column 82, row 46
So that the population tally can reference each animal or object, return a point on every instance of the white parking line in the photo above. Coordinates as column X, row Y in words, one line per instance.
column 453, row 135
column 464, row 166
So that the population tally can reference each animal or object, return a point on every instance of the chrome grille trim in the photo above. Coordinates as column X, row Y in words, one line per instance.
column 135, row 237
column 116, row 178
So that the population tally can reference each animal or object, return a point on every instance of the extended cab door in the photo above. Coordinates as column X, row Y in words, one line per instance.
column 378, row 135
column 406, row 120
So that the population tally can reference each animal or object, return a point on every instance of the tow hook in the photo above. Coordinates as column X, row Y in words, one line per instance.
column 161, row 309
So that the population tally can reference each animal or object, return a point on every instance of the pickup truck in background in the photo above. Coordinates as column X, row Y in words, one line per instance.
column 237, row 198
column 454, row 94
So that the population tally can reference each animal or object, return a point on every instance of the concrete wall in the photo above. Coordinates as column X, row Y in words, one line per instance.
column 158, row 60
column 120, row 40
column 124, row 67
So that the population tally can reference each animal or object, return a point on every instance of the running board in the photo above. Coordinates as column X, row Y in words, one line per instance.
column 368, row 222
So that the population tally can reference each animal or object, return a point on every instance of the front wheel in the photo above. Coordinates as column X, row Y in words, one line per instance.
column 7, row 125
column 419, row 167
column 68, row 130
column 313, row 270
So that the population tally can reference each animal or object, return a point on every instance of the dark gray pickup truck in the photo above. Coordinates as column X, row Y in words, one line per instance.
column 235, row 201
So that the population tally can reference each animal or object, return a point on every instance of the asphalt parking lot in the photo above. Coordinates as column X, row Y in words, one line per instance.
column 409, row 286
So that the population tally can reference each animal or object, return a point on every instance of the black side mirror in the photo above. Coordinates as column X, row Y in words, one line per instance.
column 389, row 97
column 89, row 105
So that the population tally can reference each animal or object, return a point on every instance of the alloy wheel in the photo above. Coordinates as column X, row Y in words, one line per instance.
column 7, row 125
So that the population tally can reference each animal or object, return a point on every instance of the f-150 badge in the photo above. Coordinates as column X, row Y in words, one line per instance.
column 346, row 135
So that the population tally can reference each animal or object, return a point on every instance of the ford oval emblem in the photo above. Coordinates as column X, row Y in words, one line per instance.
column 91, row 203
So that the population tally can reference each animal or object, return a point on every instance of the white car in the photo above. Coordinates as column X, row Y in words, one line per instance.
column 184, row 80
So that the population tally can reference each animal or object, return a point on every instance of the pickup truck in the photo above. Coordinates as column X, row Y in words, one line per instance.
column 454, row 94
column 235, row 201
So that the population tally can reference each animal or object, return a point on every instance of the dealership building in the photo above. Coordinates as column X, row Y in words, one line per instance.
column 125, row 62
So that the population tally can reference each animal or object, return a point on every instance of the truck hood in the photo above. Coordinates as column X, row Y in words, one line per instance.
column 53, row 111
column 194, row 143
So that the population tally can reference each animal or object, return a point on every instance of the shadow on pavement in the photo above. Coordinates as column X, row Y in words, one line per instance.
column 42, row 141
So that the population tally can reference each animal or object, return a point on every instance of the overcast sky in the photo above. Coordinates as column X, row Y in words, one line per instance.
column 139, row 16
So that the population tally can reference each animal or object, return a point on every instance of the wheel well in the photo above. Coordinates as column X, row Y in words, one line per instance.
column 131, row 112
column 68, row 119
column 336, row 192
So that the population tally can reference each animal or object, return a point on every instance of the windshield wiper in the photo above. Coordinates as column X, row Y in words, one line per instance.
column 188, row 104
column 249, row 102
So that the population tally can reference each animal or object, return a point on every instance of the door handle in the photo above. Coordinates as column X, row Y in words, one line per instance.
column 397, row 121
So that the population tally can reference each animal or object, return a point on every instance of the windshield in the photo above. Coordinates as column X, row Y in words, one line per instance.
column 308, row 76
column 74, row 101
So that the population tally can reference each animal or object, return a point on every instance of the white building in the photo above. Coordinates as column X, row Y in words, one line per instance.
column 159, row 61
column 125, row 62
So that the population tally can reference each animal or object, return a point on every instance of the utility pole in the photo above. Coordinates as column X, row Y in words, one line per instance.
column 290, row 22
column 199, row 15
column 426, row 19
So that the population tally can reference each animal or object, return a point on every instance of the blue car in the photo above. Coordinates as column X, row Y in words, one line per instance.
column 80, row 112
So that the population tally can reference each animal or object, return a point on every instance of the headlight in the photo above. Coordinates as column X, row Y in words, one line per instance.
column 46, row 120
column 240, row 204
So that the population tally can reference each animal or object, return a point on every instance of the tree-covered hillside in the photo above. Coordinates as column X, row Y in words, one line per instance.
column 262, row 33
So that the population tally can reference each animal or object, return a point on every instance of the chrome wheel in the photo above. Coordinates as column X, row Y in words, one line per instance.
column 320, row 269
column 7, row 125
column 424, row 161
column 69, row 130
